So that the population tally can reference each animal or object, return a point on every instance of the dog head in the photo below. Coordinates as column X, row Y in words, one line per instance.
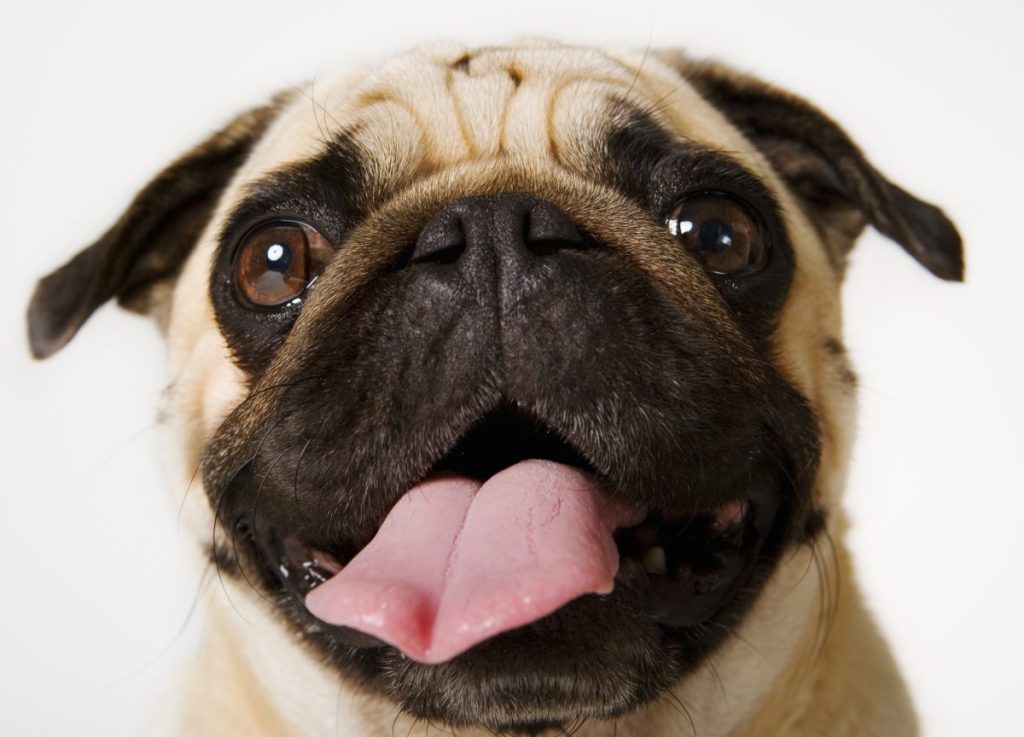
column 513, row 377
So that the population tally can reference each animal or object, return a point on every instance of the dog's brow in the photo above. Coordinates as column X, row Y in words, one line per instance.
column 652, row 165
column 328, row 190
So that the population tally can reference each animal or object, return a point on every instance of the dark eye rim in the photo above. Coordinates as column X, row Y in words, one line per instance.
column 759, row 220
column 274, row 221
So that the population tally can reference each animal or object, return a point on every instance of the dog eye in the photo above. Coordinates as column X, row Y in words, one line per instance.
column 722, row 231
column 277, row 261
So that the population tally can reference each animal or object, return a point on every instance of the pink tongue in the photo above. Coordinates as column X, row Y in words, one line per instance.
column 457, row 562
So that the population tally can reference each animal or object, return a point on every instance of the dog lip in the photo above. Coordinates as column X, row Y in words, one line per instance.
column 501, row 437
column 685, row 570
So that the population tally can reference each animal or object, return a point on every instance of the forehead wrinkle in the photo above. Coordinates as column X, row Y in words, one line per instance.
column 508, row 94
column 577, row 127
column 483, row 102
column 419, row 85
column 435, row 116
column 467, row 105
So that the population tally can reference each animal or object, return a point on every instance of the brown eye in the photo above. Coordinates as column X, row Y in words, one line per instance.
column 276, row 262
column 722, row 231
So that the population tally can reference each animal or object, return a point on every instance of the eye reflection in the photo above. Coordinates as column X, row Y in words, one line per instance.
column 722, row 231
column 277, row 261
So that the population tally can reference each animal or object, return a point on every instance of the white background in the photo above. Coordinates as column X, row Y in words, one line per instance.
column 97, row 96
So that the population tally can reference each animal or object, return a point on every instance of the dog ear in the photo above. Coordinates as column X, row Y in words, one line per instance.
column 149, row 242
column 836, row 185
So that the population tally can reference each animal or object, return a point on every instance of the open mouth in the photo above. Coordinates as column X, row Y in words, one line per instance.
column 511, row 525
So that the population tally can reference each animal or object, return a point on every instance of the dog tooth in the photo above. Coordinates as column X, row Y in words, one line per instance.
column 655, row 562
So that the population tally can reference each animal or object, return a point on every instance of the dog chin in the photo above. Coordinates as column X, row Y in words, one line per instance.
column 680, row 582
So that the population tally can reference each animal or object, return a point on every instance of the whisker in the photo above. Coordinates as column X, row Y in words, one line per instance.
column 188, row 488
column 673, row 698
column 643, row 60
column 254, row 511
column 193, row 608
column 216, row 560
column 717, row 676
column 99, row 466
column 295, row 485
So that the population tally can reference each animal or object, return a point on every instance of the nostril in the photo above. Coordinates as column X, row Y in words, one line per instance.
column 503, row 226
column 550, row 229
column 550, row 223
column 442, row 242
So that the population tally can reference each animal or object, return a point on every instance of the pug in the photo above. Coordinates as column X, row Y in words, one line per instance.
column 508, row 396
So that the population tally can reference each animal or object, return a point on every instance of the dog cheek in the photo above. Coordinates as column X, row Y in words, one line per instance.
column 205, row 388
column 809, row 354
column 207, row 385
column 783, row 627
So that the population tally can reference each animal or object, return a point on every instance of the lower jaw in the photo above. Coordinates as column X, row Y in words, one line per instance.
column 587, row 661
column 597, row 645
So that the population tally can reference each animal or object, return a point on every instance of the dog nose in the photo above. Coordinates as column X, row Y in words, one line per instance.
column 495, row 230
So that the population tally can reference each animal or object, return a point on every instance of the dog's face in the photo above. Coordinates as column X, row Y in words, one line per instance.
column 513, row 377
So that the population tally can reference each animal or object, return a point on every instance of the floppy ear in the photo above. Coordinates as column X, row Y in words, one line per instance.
column 836, row 185
column 150, row 241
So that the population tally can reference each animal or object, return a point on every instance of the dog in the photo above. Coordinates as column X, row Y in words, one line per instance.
column 508, row 395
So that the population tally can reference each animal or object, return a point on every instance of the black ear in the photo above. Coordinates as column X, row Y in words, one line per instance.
column 149, row 242
column 837, row 186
